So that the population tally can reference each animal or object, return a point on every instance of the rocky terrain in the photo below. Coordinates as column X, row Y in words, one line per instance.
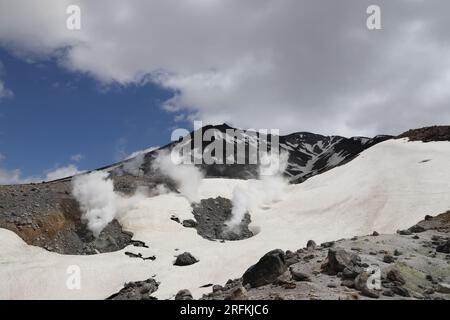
column 427, row 134
column 48, row 216
column 211, row 216
column 412, row 264
column 309, row 153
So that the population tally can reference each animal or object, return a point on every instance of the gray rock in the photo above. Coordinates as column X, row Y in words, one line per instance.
column 395, row 276
column 401, row 291
column 443, row 288
column 388, row 259
column 189, row 223
column 361, row 284
column 298, row 274
column 311, row 245
column 338, row 260
column 185, row 259
column 184, row 295
column 444, row 247
column 266, row 270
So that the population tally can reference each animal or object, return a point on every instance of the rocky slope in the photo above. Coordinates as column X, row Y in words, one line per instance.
column 309, row 153
column 412, row 264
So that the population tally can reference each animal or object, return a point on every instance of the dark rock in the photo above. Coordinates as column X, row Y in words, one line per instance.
column 404, row 232
column 311, row 245
column 401, row 291
column 388, row 293
column 216, row 288
column 338, row 260
column 417, row 229
column 189, row 223
column 185, row 259
column 444, row 247
column 348, row 283
column 388, row 259
column 266, row 270
column 139, row 290
column 291, row 258
column 175, row 218
column 397, row 253
column 443, row 288
column 211, row 216
column 395, row 276
column 375, row 234
column 328, row 244
column 184, row 295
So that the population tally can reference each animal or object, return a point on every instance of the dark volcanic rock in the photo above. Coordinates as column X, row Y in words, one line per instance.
column 311, row 245
column 185, row 259
column 140, row 290
column 212, row 214
column 189, row 223
column 339, row 260
column 444, row 247
column 266, row 270
column 428, row 134
column 184, row 295
column 395, row 277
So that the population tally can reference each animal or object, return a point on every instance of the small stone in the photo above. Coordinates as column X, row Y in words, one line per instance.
column 189, row 223
column 443, row 287
column 375, row 234
column 388, row 259
column 397, row 253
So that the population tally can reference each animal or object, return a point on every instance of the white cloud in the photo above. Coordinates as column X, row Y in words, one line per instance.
column 62, row 172
column 294, row 64
column 77, row 157
column 140, row 152
column 14, row 176
column 5, row 92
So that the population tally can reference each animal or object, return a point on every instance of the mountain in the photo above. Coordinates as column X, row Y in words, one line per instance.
column 388, row 187
column 309, row 153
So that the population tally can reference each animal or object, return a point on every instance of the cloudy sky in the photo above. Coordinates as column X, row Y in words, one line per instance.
column 136, row 70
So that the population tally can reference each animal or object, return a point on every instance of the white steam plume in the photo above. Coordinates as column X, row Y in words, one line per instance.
column 271, row 187
column 187, row 176
column 99, row 202
column 97, row 199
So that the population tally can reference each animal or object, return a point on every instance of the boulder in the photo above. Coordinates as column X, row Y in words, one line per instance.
column 395, row 276
column 443, row 288
column 189, row 223
column 185, row 259
column 311, row 245
column 266, row 270
column 338, row 260
column 300, row 272
column 184, row 295
column 444, row 247
column 388, row 259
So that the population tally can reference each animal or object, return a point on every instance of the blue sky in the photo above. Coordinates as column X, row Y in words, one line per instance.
column 294, row 65
column 55, row 114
